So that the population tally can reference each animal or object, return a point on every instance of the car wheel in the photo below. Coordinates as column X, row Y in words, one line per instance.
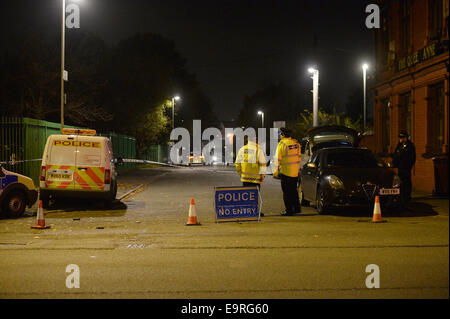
column 14, row 204
column 301, row 196
column 321, row 202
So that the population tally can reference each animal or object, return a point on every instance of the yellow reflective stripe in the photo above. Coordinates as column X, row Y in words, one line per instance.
column 250, row 174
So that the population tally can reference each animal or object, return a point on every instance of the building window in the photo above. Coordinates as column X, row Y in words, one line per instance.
column 436, row 109
column 405, row 112
column 405, row 12
column 384, row 34
column 386, row 124
column 436, row 16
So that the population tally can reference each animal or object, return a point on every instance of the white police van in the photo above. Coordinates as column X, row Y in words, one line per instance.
column 78, row 164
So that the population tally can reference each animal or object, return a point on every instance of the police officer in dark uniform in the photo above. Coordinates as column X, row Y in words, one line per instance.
column 404, row 159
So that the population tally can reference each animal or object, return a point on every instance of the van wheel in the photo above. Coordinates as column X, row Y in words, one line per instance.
column 14, row 204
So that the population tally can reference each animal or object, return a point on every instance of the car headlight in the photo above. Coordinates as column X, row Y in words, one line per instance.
column 396, row 181
column 335, row 182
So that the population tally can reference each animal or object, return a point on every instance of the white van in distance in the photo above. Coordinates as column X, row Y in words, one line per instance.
column 78, row 164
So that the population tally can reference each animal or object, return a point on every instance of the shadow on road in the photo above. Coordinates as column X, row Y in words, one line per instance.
column 86, row 208
column 75, row 205
column 414, row 209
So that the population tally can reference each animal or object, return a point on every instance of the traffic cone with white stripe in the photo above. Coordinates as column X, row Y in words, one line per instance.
column 40, row 218
column 377, row 211
column 192, row 219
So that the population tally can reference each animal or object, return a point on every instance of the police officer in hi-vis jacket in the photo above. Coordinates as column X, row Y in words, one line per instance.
column 286, row 165
column 251, row 164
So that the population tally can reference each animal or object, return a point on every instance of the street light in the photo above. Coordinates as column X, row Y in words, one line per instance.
column 63, row 40
column 262, row 117
column 63, row 30
column 175, row 98
column 364, row 67
column 315, row 92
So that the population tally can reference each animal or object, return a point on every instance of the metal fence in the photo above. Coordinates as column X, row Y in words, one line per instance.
column 156, row 153
column 22, row 142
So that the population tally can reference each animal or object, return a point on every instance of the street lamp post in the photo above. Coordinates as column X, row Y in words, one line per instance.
column 315, row 92
column 262, row 117
column 364, row 67
column 175, row 98
column 63, row 31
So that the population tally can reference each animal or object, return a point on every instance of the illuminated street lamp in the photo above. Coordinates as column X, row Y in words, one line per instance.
column 175, row 98
column 364, row 67
column 262, row 117
column 315, row 92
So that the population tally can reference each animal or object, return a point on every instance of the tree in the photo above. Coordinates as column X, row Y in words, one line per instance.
column 145, row 71
column 306, row 121
column 31, row 78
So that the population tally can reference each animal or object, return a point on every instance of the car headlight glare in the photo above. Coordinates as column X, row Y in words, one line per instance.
column 335, row 182
column 396, row 181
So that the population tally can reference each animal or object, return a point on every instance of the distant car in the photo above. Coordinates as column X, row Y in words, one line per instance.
column 347, row 176
column 196, row 159
column 16, row 192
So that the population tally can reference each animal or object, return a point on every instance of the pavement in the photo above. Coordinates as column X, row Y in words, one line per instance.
column 141, row 248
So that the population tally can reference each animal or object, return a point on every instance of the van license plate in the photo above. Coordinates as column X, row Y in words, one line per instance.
column 389, row 191
column 60, row 175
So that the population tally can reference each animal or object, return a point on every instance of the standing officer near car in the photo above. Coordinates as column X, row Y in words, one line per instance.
column 286, row 165
column 404, row 159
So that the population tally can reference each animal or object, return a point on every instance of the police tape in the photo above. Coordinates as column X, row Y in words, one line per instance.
column 127, row 160
column 138, row 161
column 14, row 162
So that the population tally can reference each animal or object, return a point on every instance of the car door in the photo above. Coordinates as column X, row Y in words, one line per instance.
column 315, row 176
column 308, row 173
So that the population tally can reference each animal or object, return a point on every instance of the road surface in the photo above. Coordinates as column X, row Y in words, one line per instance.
column 141, row 248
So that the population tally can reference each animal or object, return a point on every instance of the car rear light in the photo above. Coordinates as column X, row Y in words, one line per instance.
column 107, row 176
column 43, row 173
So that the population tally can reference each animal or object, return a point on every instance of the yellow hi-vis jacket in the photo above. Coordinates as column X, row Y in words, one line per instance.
column 251, row 163
column 287, row 158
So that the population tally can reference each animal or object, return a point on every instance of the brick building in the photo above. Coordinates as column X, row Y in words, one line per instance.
column 411, row 87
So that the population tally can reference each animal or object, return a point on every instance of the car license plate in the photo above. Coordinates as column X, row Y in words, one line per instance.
column 389, row 191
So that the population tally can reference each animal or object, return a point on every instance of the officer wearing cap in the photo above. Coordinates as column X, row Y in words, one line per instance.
column 286, row 165
column 404, row 159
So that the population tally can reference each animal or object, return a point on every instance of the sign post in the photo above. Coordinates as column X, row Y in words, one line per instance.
column 234, row 204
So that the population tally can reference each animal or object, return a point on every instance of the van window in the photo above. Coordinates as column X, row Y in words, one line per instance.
column 89, row 152
column 62, row 151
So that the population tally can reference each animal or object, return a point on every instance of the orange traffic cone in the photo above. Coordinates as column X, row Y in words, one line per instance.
column 40, row 218
column 192, row 219
column 377, row 211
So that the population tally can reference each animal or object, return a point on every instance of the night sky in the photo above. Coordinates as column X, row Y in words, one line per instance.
column 234, row 47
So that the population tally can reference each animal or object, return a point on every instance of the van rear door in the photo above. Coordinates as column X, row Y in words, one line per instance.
column 60, row 167
column 90, row 172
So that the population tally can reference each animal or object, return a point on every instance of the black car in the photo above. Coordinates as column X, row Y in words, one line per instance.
column 347, row 176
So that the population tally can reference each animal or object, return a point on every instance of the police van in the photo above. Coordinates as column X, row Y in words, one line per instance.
column 78, row 164
column 16, row 192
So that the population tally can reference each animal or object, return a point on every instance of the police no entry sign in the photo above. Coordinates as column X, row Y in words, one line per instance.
column 237, row 204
